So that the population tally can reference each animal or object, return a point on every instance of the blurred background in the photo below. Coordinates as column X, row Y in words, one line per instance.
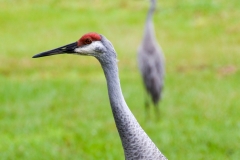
column 58, row 107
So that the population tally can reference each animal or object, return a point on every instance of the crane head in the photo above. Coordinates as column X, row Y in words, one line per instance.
column 92, row 44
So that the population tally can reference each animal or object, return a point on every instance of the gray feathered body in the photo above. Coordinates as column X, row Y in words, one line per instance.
column 151, row 60
column 136, row 144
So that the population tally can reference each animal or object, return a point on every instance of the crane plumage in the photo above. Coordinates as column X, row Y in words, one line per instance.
column 151, row 61
column 136, row 143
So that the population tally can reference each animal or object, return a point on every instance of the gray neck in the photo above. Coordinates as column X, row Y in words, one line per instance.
column 135, row 142
column 151, row 9
column 118, row 104
column 149, row 27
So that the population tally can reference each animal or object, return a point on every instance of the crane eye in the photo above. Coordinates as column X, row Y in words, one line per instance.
column 88, row 41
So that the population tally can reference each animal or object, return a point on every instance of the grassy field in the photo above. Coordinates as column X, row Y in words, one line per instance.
column 58, row 108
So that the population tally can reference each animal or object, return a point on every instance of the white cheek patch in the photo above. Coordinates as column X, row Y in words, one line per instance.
column 92, row 48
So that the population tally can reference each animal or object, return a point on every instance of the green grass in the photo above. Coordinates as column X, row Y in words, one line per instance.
column 57, row 107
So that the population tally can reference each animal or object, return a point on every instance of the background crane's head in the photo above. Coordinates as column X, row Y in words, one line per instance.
column 92, row 44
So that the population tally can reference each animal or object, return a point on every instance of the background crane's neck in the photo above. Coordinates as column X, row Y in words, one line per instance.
column 151, row 9
column 149, row 27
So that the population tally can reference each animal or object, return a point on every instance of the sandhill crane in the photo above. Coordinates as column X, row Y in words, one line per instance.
column 136, row 144
column 151, row 63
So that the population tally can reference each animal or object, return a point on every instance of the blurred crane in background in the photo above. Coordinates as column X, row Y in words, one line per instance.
column 136, row 144
column 151, row 63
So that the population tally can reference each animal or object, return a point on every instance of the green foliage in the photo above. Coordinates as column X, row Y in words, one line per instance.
column 57, row 107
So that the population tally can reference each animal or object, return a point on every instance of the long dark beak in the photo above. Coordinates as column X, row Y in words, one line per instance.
column 61, row 50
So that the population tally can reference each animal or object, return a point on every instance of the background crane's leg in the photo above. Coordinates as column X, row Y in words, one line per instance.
column 147, row 107
column 157, row 111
